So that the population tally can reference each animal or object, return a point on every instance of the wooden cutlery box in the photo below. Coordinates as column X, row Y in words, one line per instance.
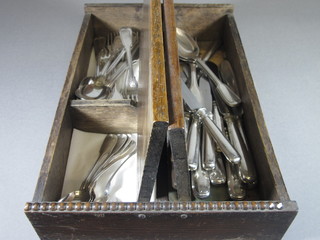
column 265, row 215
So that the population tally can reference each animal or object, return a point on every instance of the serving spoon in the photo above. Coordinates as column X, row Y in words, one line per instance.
column 189, row 51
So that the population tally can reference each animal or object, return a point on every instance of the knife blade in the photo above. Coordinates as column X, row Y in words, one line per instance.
column 228, row 150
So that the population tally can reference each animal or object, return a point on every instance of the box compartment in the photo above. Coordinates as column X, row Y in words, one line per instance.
column 208, row 23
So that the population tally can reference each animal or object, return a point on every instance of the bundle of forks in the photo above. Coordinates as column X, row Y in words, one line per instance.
column 117, row 67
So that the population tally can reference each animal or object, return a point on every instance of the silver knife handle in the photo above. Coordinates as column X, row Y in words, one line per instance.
column 217, row 119
column 208, row 149
column 228, row 96
column 209, row 152
column 231, row 154
column 193, row 143
column 247, row 171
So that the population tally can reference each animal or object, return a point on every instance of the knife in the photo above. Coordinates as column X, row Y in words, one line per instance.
column 246, row 168
column 231, row 154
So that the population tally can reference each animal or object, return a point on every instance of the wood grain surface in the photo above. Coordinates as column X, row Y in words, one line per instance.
column 157, row 116
column 105, row 116
column 176, row 132
column 54, row 164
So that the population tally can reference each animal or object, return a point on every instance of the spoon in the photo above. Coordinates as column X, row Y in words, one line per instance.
column 189, row 51
column 105, row 150
column 91, row 88
column 117, row 154
column 126, row 152
column 100, row 87
column 121, row 81
column 84, row 193
column 131, row 150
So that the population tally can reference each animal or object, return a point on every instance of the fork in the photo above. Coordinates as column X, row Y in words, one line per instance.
column 130, row 90
column 115, row 50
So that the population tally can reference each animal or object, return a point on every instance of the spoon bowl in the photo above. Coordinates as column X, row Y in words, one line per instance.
column 92, row 88
column 189, row 51
column 187, row 47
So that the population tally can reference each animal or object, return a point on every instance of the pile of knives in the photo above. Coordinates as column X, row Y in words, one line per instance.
column 218, row 153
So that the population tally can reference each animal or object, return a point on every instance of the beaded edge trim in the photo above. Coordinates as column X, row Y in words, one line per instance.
column 152, row 206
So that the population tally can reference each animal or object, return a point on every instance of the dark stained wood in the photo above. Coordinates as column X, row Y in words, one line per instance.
column 54, row 164
column 157, row 68
column 176, row 131
column 105, row 116
column 271, row 185
column 176, row 137
column 172, row 67
column 160, row 221
column 152, row 161
column 203, row 21
column 111, row 17
column 157, row 116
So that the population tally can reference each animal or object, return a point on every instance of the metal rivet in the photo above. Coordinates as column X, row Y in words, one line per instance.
column 142, row 216
column 183, row 216
column 271, row 206
column 279, row 206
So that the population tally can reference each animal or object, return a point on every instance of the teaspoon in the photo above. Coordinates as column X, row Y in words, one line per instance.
column 189, row 51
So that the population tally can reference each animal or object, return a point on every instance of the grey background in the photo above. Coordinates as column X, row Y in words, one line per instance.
column 281, row 40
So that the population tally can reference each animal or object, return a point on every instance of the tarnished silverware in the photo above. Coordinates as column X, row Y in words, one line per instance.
column 128, row 152
column 218, row 174
column 200, row 181
column 235, row 185
column 189, row 51
column 193, row 143
column 208, row 149
column 224, row 144
column 246, row 168
column 131, row 86
column 115, row 148
column 84, row 194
